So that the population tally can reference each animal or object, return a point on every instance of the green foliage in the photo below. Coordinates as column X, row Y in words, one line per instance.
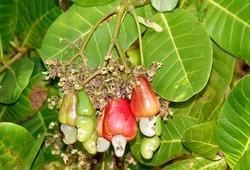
column 34, row 18
column 201, row 139
column 206, row 125
column 86, row 3
column 227, row 22
column 233, row 126
column 185, row 51
column 197, row 163
column 67, row 33
column 18, row 153
column 8, row 18
column 15, row 79
column 207, row 104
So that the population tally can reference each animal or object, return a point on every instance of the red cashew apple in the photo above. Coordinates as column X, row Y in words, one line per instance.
column 144, row 102
column 145, row 105
column 119, row 124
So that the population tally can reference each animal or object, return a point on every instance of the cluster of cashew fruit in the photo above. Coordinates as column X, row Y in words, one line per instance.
column 78, row 121
column 117, row 124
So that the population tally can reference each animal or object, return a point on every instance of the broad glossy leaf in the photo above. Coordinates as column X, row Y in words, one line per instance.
column 34, row 18
column 234, row 125
column 85, row 3
column 227, row 21
column 164, row 5
column 197, row 163
column 201, row 139
column 184, row 49
column 69, row 31
column 31, row 99
column 207, row 104
column 15, row 146
column 170, row 146
column 15, row 80
column 8, row 19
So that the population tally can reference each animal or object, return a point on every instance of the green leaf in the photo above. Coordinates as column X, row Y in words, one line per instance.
column 15, row 80
column 184, row 49
column 164, row 5
column 85, row 3
column 8, row 20
column 67, row 33
column 15, row 146
column 197, row 163
column 31, row 99
column 170, row 146
column 201, row 139
column 227, row 21
column 207, row 104
column 34, row 151
column 34, row 18
column 234, row 127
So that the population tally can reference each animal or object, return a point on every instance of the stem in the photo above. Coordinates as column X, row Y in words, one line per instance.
column 97, row 72
column 85, row 43
column 132, row 11
column 14, row 58
column 122, row 55
column 120, row 15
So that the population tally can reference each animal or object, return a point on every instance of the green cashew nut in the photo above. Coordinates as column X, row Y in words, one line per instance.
column 86, row 126
column 149, row 146
column 90, row 144
column 84, row 104
column 158, row 126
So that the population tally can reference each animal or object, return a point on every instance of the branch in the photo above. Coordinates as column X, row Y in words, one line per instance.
column 19, row 54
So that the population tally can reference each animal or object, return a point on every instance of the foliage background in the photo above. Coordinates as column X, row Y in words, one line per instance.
column 204, row 46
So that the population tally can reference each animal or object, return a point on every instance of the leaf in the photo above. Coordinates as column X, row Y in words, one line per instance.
column 15, row 146
column 201, row 139
column 170, row 146
column 34, row 18
column 31, row 99
column 86, row 3
column 8, row 20
column 34, row 150
column 234, row 127
column 185, row 51
column 164, row 5
column 15, row 80
column 68, row 32
column 197, row 163
column 227, row 22
column 206, row 105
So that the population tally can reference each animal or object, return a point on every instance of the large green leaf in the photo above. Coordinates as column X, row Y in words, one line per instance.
column 34, row 18
column 201, row 139
column 16, row 147
column 8, row 19
column 184, row 49
column 197, row 163
column 170, row 145
column 31, row 99
column 92, row 2
column 227, row 21
column 207, row 104
column 70, row 29
column 15, row 80
column 234, row 125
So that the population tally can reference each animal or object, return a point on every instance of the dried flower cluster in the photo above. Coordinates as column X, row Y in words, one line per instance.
column 112, row 82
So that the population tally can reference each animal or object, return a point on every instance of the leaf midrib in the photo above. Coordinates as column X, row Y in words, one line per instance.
column 34, row 24
column 176, row 49
column 228, row 12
